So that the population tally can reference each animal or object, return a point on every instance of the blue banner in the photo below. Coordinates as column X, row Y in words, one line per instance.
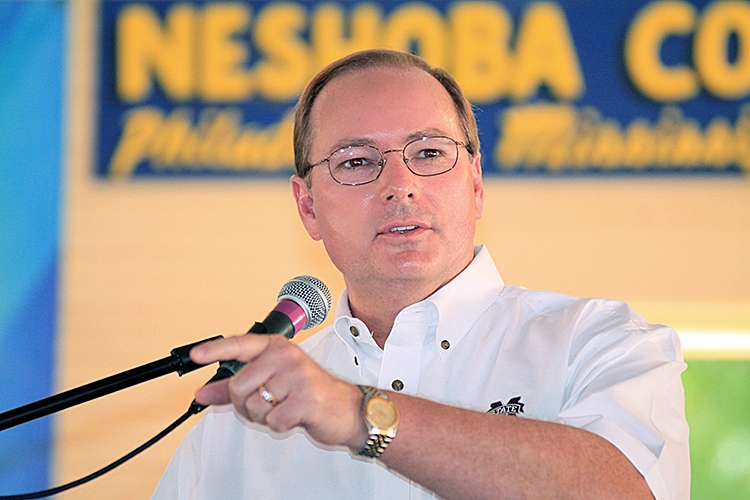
column 561, row 88
column 31, row 83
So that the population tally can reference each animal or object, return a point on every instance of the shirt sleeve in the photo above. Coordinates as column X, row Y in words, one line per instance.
column 624, row 384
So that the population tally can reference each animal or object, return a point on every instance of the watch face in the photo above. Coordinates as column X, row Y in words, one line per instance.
column 381, row 413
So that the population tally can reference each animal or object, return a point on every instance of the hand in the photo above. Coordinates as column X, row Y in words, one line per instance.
column 306, row 395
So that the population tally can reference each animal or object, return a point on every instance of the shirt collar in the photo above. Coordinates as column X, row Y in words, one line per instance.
column 352, row 331
column 459, row 304
column 466, row 297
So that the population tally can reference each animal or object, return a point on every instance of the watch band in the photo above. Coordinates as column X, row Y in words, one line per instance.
column 375, row 445
column 378, row 438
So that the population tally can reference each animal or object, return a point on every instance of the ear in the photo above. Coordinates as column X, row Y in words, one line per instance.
column 476, row 173
column 305, row 206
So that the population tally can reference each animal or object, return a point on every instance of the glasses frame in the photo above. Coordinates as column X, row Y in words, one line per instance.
column 382, row 162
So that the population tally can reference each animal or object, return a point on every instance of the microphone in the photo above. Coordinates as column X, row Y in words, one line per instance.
column 303, row 303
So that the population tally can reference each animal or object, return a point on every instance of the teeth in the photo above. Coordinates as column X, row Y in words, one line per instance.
column 402, row 229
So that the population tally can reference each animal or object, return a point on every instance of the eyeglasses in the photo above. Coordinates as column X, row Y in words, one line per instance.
column 356, row 165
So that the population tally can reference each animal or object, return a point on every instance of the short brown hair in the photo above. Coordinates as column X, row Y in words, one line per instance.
column 375, row 58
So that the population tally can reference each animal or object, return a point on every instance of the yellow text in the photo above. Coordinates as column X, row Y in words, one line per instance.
column 557, row 136
column 219, row 142
column 710, row 67
column 229, row 52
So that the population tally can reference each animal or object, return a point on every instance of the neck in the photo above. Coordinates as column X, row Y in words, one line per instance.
column 376, row 301
column 378, row 315
column 377, row 306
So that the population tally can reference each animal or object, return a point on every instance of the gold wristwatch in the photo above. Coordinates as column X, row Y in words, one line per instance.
column 381, row 418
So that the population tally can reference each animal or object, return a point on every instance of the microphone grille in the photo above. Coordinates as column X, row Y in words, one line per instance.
column 312, row 295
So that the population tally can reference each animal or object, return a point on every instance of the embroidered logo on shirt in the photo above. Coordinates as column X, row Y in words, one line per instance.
column 513, row 408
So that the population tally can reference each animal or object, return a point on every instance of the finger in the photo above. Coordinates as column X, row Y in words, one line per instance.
column 241, row 348
column 290, row 407
column 242, row 385
column 257, row 405
column 277, row 358
column 268, row 396
column 215, row 393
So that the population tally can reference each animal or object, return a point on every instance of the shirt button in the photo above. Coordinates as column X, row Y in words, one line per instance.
column 445, row 344
column 354, row 331
column 397, row 385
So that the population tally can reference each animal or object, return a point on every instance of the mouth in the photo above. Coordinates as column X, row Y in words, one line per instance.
column 402, row 229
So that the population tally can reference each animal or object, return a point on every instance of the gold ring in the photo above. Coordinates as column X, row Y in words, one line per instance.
column 267, row 395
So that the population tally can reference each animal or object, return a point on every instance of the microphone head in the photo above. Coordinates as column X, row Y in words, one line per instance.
column 312, row 295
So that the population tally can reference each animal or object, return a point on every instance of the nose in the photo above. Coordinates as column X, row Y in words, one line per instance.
column 396, row 180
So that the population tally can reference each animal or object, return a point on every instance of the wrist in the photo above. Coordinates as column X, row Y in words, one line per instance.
column 359, row 433
column 380, row 418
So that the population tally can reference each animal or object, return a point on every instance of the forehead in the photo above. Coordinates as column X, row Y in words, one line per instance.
column 381, row 106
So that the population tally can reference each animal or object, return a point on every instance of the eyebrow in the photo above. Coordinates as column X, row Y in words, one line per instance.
column 367, row 141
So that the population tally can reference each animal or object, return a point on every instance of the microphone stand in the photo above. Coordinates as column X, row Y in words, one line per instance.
column 178, row 361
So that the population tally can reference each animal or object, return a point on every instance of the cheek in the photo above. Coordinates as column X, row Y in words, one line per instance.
column 460, row 200
column 340, row 217
column 461, row 212
column 342, row 231
column 365, row 202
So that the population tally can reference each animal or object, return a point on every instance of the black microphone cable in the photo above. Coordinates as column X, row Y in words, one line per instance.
column 194, row 409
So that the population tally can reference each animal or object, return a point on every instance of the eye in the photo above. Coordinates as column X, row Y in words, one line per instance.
column 354, row 163
column 355, row 158
column 429, row 150
column 429, row 153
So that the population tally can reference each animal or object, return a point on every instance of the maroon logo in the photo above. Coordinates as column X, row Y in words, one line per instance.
column 513, row 407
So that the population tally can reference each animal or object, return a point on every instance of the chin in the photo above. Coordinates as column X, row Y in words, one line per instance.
column 410, row 269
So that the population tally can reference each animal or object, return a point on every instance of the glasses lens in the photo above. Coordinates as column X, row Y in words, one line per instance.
column 431, row 155
column 355, row 164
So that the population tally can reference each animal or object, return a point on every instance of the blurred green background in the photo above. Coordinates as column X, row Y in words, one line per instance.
column 718, row 410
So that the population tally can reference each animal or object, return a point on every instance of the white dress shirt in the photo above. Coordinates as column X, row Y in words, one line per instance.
column 475, row 344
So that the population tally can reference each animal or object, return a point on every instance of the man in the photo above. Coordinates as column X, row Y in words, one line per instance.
column 488, row 391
